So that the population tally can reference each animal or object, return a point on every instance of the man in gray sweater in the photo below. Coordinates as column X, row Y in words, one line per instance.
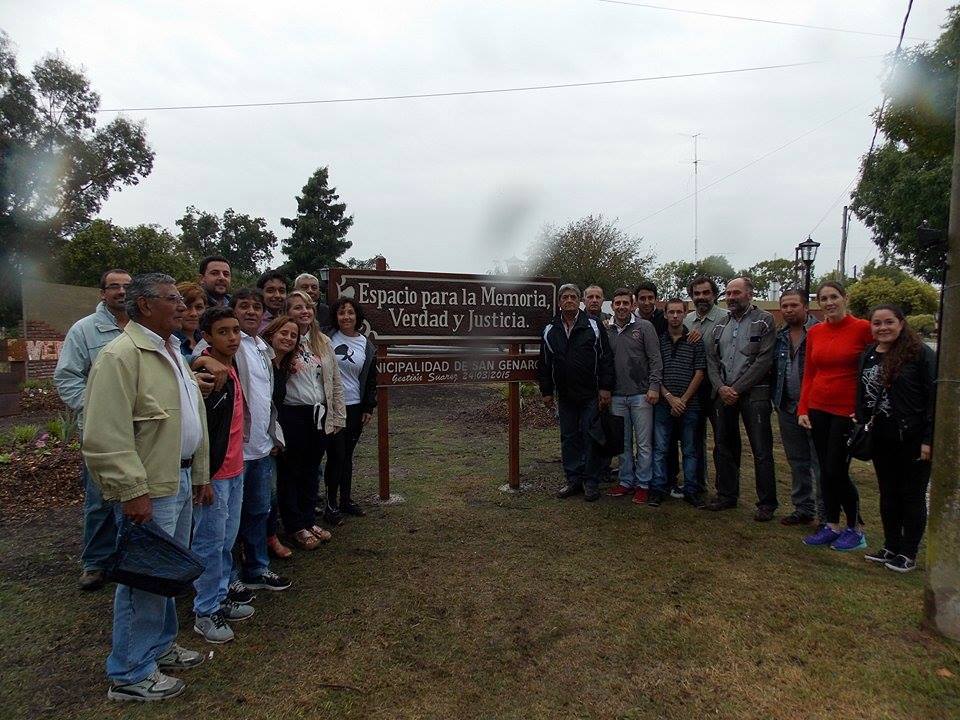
column 739, row 358
column 639, row 367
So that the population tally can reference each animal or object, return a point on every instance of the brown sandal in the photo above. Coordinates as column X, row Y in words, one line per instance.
column 306, row 540
column 321, row 534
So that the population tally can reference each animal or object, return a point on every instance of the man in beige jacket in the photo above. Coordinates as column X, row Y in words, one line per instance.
column 145, row 443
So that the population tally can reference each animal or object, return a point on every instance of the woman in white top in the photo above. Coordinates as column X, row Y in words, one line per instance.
column 312, row 412
column 357, row 360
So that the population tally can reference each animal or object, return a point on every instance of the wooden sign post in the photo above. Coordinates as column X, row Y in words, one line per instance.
column 478, row 315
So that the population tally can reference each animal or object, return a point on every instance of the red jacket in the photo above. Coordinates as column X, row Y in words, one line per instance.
column 831, row 366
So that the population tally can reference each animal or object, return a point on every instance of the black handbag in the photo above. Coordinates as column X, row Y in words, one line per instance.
column 859, row 442
column 149, row 559
column 608, row 442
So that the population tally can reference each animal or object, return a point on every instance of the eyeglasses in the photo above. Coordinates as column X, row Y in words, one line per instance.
column 176, row 298
column 116, row 286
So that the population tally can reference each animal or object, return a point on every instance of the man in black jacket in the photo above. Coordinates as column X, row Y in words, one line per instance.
column 576, row 366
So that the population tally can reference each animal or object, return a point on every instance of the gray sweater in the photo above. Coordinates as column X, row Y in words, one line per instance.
column 636, row 357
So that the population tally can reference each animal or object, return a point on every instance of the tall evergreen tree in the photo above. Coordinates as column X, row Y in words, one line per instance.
column 318, row 230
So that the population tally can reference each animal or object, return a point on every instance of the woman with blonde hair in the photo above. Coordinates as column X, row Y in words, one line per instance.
column 312, row 411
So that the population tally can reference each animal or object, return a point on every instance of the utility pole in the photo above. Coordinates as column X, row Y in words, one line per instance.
column 942, row 583
column 844, row 229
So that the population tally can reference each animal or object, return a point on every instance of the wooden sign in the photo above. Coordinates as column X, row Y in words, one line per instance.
column 394, row 371
column 445, row 308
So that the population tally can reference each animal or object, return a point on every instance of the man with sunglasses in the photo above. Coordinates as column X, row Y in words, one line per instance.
column 83, row 343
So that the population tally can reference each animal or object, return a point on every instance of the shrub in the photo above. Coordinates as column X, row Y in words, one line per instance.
column 911, row 295
column 37, row 384
column 64, row 426
column 926, row 325
column 22, row 434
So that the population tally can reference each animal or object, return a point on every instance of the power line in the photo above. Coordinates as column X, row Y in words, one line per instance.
column 458, row 93
column 833, row 204
column 748, row 165
column 784, row 23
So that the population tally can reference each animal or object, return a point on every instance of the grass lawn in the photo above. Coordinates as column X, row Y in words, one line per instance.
column 467, row 603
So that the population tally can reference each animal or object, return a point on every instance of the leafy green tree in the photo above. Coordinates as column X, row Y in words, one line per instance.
column 245, row 241
column 56, row 165
column 589, row 251
column 318, row 230
column 767, row 273
column 672, row 278
column 906, row 180
column 139, row 249
column 914, row 296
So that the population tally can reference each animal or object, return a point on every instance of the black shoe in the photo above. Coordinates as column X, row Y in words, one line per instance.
column 269, row 580
column 91, row 580
column 764, row 514
column 881, row 556
column 332, row 516
column 591, row 495
column 696, row 500
column 351, row 508
column 569, row 491
column 717, row 505
column 240, row 593
column 797, row 518
column 901, row 564
column 655, row 499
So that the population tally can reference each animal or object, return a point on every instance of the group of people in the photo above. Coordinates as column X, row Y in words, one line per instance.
column 668, row 373
column 210, row 413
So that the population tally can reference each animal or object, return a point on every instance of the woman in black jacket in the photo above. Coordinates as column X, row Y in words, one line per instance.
column 357, row 360
column 896, row 395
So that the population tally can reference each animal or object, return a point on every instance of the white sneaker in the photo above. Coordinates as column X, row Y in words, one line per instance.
column 151, row 689
column 213, row 628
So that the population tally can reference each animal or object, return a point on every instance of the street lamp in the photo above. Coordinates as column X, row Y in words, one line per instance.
column 807, row 252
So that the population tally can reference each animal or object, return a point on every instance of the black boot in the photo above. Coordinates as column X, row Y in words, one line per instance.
column 347, row 505
column 331, row 512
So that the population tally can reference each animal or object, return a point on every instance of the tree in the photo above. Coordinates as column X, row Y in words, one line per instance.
column 589, row 251
column 768, row 273
column 56, row 166
column 906, row 180
column 913, row 296
column 672, row 278
column 362, row 264
column 245, row 241
column 144, row 248
column 318, row 230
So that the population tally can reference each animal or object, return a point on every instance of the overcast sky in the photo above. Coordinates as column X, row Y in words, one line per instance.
column 455, row 184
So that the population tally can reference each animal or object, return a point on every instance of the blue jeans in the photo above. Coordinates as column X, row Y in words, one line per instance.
column 581, row 465
column 636, row 460
column 665, row 427
column 257, row 489
column 144, row 624
column 99, row 525
column 214, row 533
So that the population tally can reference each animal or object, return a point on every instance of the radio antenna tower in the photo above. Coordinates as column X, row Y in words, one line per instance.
column 696, row 197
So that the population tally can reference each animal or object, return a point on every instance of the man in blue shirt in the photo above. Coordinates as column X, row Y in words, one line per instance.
column 83, row 343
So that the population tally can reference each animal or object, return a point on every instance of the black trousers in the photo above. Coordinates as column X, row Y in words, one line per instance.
column 753, row 407
column 830, row 434
column 339, row 473
column 298, row 467
column 903, row 480
column 706, row 415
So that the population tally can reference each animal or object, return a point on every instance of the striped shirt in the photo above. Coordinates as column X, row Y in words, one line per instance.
column 681, row 359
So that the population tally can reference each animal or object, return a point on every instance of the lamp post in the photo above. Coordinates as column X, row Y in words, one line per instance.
column 807, row 252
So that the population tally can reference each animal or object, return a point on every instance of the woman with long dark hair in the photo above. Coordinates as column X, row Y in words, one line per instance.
column 311, row 413
column 896, row 395
column 828, row 397
column 283, row 335
column 357, row 360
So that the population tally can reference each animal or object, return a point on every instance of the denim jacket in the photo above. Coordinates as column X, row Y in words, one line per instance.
column 781, row 358
column 83, row 343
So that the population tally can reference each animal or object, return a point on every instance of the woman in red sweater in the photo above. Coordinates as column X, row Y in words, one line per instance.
column 828, row 398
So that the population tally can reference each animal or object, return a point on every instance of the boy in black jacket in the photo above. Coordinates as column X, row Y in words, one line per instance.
column 576, row 365
column 215, row 525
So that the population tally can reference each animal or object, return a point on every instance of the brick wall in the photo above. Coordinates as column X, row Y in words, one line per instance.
column 42, row 346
